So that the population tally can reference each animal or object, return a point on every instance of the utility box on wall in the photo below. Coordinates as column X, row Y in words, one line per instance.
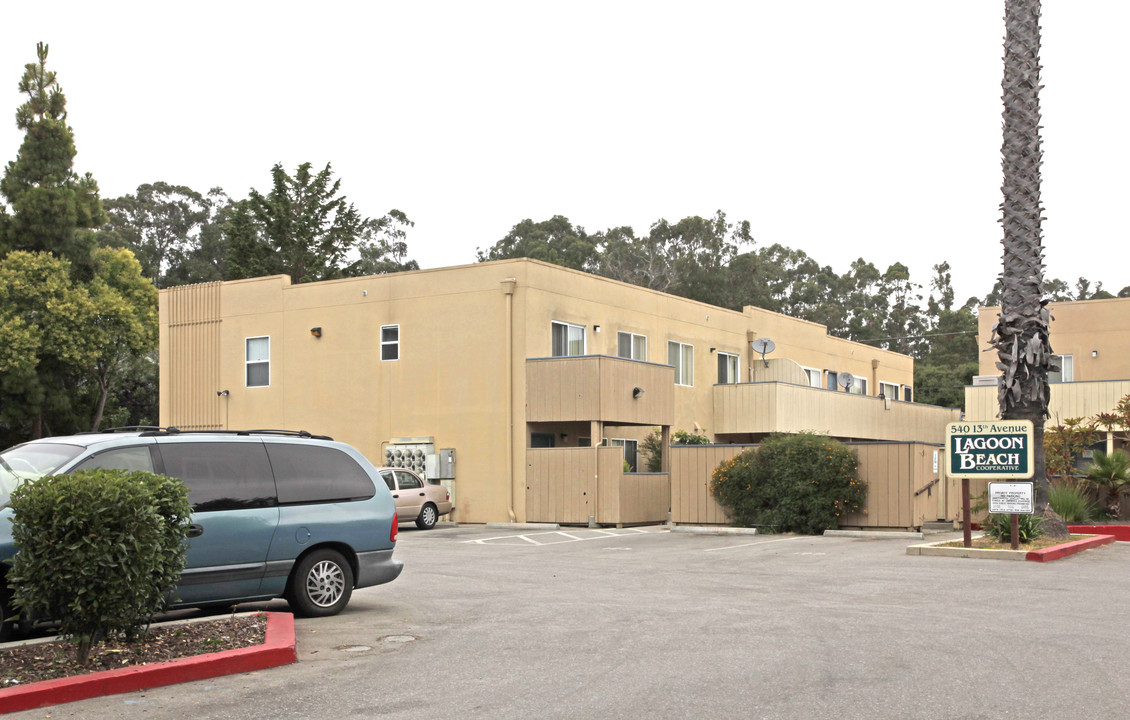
column 441, row 465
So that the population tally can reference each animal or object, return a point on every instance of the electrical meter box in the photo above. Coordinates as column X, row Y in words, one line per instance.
column 441, row 465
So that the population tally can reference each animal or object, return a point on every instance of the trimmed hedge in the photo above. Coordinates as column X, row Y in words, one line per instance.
column 792, row 483
column 99, row 550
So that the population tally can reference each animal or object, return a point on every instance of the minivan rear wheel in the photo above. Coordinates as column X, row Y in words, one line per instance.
column 428, row 517
column 320, row 584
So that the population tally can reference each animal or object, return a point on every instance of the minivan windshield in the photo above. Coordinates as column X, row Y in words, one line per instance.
column 31, row 461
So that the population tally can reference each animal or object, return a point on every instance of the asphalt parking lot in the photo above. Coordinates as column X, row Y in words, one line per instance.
column 634, row 623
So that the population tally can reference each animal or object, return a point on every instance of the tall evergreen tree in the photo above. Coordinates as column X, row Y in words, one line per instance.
column 1021, row 334
column 53, row 209
column 304, row 228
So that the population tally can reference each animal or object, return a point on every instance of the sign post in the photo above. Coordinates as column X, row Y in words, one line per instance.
column 991, row 450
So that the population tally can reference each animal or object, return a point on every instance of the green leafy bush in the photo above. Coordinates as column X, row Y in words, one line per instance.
column 1028, row 527
column 99, row 550
column 794, row 483
column 682, row 437
column 1073, row 503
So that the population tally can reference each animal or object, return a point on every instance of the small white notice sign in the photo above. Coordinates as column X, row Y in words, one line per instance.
column 1012, row 498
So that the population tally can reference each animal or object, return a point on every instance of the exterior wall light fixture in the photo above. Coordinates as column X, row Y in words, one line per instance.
column 636, row 392
column 316, row 332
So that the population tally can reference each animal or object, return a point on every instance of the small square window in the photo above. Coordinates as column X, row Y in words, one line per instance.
column 390, row 342
column 727, row 368
column 568, row 339
column 631, row 346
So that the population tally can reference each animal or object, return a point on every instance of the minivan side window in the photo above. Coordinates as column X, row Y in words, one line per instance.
column 126, row 458
column 310, row 473
column 221, row 476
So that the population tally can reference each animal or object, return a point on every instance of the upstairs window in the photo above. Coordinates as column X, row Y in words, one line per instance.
column 727, row 368
column 681, row 357
column 1066, row 372
column 631, row 346
column 906, row 394
column 568, row 339
column 814, row 376
column 889, row 390
column 858, row 386
column 258, row 361
column 390, row 342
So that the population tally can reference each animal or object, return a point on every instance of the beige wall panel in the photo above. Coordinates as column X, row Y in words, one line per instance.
column 777, row 370
column 1077, row 329
column 190, row 321
column 561, row 485
column 610, row 472
column 892, row 471
column 1068, row 400
column 781, row 407
column 598, row 388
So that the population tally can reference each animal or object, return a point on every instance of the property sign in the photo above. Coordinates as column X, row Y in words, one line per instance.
column 992, row 449
column 1008, row 498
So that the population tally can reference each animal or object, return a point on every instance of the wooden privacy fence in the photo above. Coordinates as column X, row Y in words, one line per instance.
column 904, row 489
column 572, row 485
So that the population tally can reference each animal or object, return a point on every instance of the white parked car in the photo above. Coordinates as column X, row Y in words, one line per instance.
column 416, row 499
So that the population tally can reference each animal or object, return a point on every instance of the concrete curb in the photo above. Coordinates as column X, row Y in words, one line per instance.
column 277, row 649
column 701, row 530
column 1056, row 552
column 874, row 534
column 522, row 526
column 1062, row 551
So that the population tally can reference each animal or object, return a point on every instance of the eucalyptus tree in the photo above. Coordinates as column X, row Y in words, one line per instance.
column 1021, row 333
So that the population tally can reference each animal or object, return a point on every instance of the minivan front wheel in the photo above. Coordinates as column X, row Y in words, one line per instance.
column 321, row 584
column 428, row 517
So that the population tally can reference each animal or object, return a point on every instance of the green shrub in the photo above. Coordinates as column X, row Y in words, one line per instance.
column 652, row 446
column 99, row 550
column 1028, row 527
column 682, row 437
column 795, row 483
column 1072, row 503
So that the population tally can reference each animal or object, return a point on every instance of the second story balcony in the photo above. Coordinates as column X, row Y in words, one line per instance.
column 599, row 388
column 755, row 409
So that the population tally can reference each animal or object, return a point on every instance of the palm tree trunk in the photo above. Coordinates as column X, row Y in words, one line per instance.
column 1021, row 333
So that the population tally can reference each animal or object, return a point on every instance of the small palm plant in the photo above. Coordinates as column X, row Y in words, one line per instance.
column 1111, row 472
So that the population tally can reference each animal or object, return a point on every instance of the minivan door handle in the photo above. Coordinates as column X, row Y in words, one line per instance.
column 195, row 530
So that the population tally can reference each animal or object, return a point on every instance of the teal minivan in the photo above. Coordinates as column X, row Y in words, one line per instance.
column 275, row 513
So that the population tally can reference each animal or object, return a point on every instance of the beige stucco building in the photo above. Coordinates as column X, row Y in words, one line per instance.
column 1092, row 341
column 502, row 361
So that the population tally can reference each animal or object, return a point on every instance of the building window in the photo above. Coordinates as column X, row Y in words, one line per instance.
column 1066, row 372
column 727, row 368
column 889, row 390
column 906, row 394
column 858, row 386
column 390, row 342
column 568, row 339
column 258, row 360
column 631, row 448
column 813, row 376
column 631, row 346
column 681, row 357
column 833, row 379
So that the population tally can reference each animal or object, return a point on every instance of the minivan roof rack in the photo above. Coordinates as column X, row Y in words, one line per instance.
column 287, row 433
column 132, row 428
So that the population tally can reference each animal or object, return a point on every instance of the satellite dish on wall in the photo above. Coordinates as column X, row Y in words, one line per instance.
column 764, row 346
column 846, row 380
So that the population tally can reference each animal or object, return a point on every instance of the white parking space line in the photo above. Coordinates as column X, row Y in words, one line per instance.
column 760, row 542
column 558, row 537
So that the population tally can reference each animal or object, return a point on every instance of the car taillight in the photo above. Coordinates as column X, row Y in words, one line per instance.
column 395, row 527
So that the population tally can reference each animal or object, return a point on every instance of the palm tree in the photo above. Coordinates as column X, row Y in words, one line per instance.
column 1113, row 473
column 1021, row 333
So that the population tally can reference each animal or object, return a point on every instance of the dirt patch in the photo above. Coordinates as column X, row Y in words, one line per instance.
column 48, row 661
column 990, row 543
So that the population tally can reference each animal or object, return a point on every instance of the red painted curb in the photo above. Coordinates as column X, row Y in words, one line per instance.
column 1061, row 551
column 277, row 649
column 1120, row 532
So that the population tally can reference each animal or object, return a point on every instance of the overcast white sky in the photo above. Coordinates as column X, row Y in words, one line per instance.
column 861, row 128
